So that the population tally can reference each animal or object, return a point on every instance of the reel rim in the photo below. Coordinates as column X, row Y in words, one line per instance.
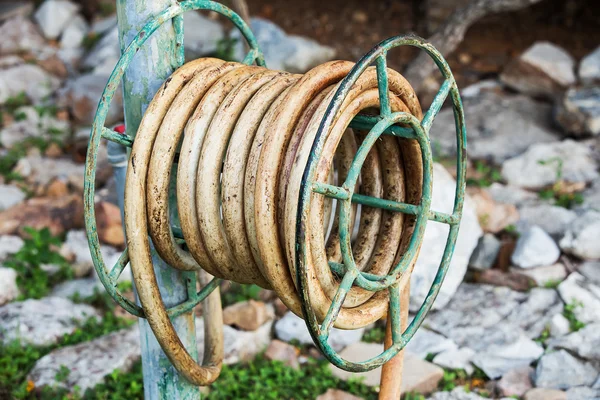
column 108, row 278
column 391, row 282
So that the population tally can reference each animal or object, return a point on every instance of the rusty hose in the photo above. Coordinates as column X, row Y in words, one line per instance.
column 243, row 135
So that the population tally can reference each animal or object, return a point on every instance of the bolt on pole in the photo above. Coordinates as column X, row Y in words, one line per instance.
column 152, row 65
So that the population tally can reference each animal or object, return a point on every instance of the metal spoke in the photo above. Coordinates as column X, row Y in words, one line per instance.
column 117, row 137
column 394, row 311
column 117, row 270
column 250, row 57
column 383, row 85
column 366, row 122
column 336, row 304
column 450, row 219
column 332, row 191
column 190, row 283
column 436, row 105
column 200, row 296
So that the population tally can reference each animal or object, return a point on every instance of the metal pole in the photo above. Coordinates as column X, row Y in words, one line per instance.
column 152, row 65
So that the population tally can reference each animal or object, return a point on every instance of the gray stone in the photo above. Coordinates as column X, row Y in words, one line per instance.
column 485, row 253
column 417, row 375
column 535, row 248
column 578, row 290
column 74, row 33
column 54, row 15
column 281, row 351
column 516, row 382
column 535, row 313
column 19, row 34
column 581, row 239
column 89, row 362
column 42, row 322
column 544, row 275
column 427, row 342
column 545, row 163
column 31, row 124
column 578, row 113
column 500, row 126
column 30, row 79
column 544, row 69
column 10, row 61
column 238, row 345
column 12, row 9
column 499, row 358
column 203, row 38
column 591, row 197
column 284, row 52
column 589, row 269
column 9, row 245
column 513, row 195
column 560, row 370
column 554, row 220
column 291, row 327
column 40, row 171
column 76, row 248
column 105, row 54
column 434, row 241
column 81, row 96
column 585, row 342
column 559, row 326
column 9, row 290
column 456, row 359
column 457, row 393
column 10, row 195
column 583, row 393
column 545, row 394
column 589, row 68
column 83, row 288
column 336, row 394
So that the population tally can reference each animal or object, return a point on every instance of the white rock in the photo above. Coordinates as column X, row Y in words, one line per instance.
column 9, row 245
column 435, row 241
column 102, row 25
column 456, row 359
column 534, row 314
column 9, row 196
column 284, row 52
column 203, row 35
column 545, row 163
column 31, row 124
column 543, row 275
column 291, row 327
column 11, row 9
column 583, row 393
column 585, row 342
column 542, row 70
column 560, row 370
column 9, row 290
column 38, row 170
column 589, row 68
column 427, row 342
column 105, row 54
column 239, row 346
column 36, row 83
column 579, row 111
column 582, row 238
column 54, row 15
column 554, row 220
column 89, row 362
column 19, row 34
column 499, row 126
column 576, row 289
column 42, row 322
column 589, row 269
column 457, row 393
column 76, row 246
column 513, row 195
column 559, row 326
column 535, row 248
column 74, row 33
column 485, row 253
column 83, row 288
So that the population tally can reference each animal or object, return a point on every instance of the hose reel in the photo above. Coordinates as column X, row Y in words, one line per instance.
column 317, row 186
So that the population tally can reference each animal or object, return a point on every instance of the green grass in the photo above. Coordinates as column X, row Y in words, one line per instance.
column 238, row 292
column 19, row 151
column 552, row 283
column 374, row 335
column 12, row 103
column 569, row 314
column 37, row 250
column 262, row 379
column 488, row 174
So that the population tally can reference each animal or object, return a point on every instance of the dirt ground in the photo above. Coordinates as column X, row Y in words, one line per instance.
column 354, row 26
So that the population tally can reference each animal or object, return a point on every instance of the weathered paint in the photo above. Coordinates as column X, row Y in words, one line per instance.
column 384, row 123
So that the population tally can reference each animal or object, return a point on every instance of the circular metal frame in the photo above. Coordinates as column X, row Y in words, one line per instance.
column 109, row 278
column 386, row 122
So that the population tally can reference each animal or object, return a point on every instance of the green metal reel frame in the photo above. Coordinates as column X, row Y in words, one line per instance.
column 109, row 278
column 387, row 122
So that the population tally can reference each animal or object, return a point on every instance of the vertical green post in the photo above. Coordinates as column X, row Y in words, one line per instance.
column 151, row 66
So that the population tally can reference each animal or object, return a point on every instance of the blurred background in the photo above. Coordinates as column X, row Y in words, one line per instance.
column 519, row 313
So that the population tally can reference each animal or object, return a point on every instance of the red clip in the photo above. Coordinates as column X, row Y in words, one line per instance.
column 120, row 129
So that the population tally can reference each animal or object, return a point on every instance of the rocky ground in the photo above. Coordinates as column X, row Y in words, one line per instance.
column 517, row 317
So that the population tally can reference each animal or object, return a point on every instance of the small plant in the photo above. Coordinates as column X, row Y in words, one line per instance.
column 556, row 193
column 17, row 152
column 38, row 250
column 545, row 335
column 485, row 175
column 375, row 335
column 413, row 396
column 552, row 283
column 511, row 230
column 238, row 292
column 452, row 378
column 569, row 313
column 90, row 40
column 226, row 49
column 12, row 103
column 63, row 373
